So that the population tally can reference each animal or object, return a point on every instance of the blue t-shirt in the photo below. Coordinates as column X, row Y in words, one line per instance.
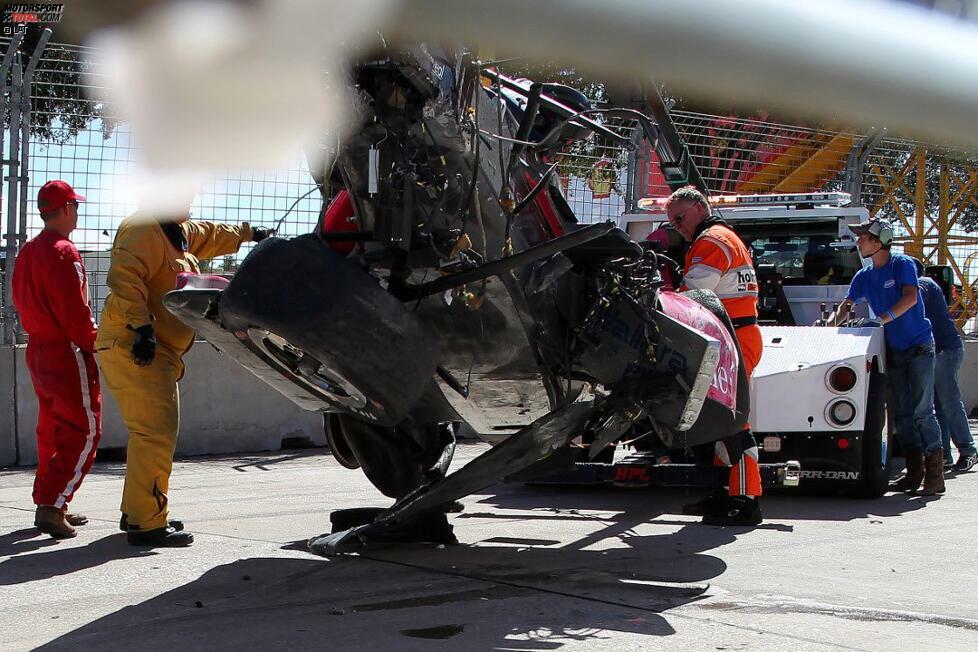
column 946, row 337
column 882, row 287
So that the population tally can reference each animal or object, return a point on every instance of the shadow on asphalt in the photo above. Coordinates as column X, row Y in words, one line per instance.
column 778, row 505
column 519, row 593
column 62, row 560
column 262, row 463
column 517, row 589
column 28, row 539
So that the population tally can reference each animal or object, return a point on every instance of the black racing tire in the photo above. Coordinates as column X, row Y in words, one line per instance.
column 330, row 327
column 397, row 460
column 336, row 440
column 876, row 438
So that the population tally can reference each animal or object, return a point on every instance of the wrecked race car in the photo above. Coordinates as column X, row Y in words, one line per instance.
column 450, row 281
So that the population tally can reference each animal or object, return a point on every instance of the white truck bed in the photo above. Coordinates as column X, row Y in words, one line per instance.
column 789, row 389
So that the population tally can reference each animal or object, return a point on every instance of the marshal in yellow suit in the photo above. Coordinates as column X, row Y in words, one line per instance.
column 147, row 255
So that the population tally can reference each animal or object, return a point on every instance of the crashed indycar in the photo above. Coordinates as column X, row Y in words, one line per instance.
column 449, row 281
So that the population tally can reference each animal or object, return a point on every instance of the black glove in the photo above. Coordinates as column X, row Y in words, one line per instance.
column 144, row 346
column 258, row 233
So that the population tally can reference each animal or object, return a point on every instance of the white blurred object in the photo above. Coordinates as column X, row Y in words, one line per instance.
column 869, row 63
column 246, row 84
column 208, row 85
column 163, row 192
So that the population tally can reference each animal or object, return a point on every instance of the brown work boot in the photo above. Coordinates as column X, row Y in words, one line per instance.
column 76, row 519
column 51, row 520
column 915, row 472
column 933, row 474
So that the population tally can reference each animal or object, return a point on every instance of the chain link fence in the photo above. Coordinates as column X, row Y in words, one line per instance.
column 929, row 193
column 595, row 175
column 76, row 137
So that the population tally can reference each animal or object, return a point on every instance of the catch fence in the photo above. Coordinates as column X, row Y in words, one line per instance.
column 75, row 135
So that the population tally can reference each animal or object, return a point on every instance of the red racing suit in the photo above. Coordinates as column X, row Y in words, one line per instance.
column 718, row 260
column 50, row 292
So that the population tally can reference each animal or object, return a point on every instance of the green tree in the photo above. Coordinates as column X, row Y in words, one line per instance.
column 59, row 108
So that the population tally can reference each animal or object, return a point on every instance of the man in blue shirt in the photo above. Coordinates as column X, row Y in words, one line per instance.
column 890, row 287
column 951, row 414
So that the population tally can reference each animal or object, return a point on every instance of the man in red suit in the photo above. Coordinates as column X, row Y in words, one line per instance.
column 50, row 292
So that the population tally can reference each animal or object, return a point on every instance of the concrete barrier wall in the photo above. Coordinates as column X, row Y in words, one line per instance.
column 8, row 405
column 224, row 409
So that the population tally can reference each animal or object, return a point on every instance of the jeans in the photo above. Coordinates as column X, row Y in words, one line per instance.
column 950, row 408
column 911, row 375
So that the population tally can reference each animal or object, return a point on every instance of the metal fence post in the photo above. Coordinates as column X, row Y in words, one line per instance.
column 13, row 164
column 633, row 189
column 9, row 318
column 25, row 139
column 855, row 164
column 10, row 250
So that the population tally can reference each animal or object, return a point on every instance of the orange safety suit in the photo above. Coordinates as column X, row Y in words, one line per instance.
column 718, row 260
column 144, row 266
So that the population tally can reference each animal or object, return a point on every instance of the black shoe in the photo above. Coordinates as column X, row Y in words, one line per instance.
column 701, row 507
column 124, row 524
column 735, row 510
column 161, row 537
column 965, row 463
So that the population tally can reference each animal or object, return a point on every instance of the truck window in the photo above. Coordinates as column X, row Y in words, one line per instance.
column 802, row 254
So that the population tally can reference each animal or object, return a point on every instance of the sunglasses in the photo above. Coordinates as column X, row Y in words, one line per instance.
column 678, row 219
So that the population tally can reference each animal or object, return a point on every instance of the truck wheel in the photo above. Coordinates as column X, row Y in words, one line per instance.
column 329, row 327
column 397, row 460
column 876, row 450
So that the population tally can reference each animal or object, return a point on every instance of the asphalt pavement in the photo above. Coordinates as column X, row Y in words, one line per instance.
column 536, row 569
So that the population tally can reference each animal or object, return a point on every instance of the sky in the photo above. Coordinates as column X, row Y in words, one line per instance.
column 107, row 171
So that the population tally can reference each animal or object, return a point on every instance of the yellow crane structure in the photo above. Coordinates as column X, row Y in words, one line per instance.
column 932, row 229
column 802, row 167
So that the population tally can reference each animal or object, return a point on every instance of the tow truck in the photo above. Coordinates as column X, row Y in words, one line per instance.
column 818, row 400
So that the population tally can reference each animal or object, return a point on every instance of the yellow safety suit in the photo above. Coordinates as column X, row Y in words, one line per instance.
column 144, row 266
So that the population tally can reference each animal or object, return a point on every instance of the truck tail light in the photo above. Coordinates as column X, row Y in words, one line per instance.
column 842, row 379
column 841, row 413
